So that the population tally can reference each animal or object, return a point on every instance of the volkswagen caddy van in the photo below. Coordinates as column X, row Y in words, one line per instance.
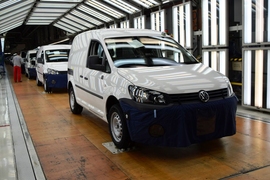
column 30, row 64
column 51, row 66
column 148, row 88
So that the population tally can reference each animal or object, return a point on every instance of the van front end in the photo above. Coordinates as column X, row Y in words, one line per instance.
column 56, row 80
column 180, row 125
column 32, row 72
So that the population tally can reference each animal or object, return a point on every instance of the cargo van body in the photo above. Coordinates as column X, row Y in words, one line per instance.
column 148, row 88
column 51, row 66
column 30, row 64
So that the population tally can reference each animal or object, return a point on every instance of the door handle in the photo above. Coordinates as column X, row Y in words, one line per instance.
column 86, row 78
column 81, row 76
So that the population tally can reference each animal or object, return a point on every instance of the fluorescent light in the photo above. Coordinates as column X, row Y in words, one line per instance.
column 158, row 21
column 105, row 8
column 205, row 58
column 214, row 60
column 258, row 78
column 181, row 26
column 247, row 78
column 268, row 81
column 205, row 23
column 222, row 62
column 139, row 22
column 188, row 25
column 222, row 22
column 268, row 23
column 247, row 21
column 2, row 43
column 147, row 3
column 124, row 24
column 123, row 5
column 259, row 28
column 213, row 22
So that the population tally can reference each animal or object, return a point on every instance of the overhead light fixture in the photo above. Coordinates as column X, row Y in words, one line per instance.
column 123, row 5
column 148, row 3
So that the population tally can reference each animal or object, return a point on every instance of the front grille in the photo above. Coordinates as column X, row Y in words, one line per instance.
column 194, row 97
column 62, row 72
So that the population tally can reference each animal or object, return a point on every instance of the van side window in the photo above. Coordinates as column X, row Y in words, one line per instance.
column 96, row 57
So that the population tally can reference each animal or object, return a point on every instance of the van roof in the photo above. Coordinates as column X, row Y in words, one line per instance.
column 56, row 46
column 117, row 32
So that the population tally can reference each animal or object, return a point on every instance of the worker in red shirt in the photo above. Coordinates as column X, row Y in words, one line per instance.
column 17, row 62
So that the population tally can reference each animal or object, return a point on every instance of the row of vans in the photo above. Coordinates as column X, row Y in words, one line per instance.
column 147, row 87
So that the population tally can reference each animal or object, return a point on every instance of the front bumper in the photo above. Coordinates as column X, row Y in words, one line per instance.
column 180, row 125
column 32, row 72
column 56, row 80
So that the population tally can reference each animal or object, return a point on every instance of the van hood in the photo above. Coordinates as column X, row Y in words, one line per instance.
column 184, row 78
column 58, row 66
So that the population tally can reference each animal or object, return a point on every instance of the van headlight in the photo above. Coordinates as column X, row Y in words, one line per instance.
column 143, row 95
column 52, row 71
column 230, row 89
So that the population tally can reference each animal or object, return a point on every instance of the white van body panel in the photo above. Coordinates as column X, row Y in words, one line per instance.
column 42, row 68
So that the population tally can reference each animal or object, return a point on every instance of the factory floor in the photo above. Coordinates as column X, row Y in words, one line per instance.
column 41, row 139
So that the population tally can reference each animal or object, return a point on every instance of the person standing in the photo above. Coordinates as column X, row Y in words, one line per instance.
column 17, row 62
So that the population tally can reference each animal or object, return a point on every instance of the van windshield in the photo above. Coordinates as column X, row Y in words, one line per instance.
column 57, row 55
column 147, row 51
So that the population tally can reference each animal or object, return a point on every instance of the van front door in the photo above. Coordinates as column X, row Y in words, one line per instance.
column 94, row 76
column 40, row 67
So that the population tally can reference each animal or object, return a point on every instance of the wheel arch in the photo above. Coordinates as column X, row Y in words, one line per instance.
column 110, row 102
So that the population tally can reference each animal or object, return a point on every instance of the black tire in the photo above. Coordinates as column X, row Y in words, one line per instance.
column 118, row 128
column 46, row 88
column 74, row 106
column 38, row 82
column 29, row 76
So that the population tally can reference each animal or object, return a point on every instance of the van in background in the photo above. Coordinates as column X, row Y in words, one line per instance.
column 52, row 66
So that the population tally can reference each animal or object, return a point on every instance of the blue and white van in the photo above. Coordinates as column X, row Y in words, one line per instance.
column 148, row 88
column 51, row 66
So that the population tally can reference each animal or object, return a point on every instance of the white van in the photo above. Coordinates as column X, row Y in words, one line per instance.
column 148, row 88
column 30, row 64
column 52, row 66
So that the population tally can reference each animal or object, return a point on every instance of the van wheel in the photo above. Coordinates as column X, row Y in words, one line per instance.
column 46, row 88
column 38, row 82
column 74, row 106
column 118, row 128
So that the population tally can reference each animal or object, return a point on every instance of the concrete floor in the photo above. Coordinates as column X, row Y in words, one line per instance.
column 41, row 139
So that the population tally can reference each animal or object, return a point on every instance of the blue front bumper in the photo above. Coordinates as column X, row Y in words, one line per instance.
column 56, row 80
column 32, row 72
column 182, row 125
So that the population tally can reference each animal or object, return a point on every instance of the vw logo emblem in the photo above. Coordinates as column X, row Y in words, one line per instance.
column 204, row 96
